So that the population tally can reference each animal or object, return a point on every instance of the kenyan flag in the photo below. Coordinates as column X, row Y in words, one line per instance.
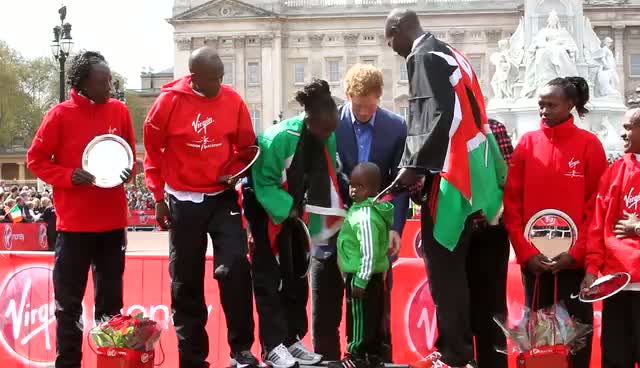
column 475, row 184
column 456, row 141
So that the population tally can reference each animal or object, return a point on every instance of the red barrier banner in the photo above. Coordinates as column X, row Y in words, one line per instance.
column 27, row 321
column 142, row 218
column 23, row 237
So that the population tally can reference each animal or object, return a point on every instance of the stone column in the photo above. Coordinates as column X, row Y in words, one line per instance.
column 316, row 62
column 277, row 72
column 239, row 77
column 182, row 51
column 21, row 171
column 618, row 39
column 267, row 81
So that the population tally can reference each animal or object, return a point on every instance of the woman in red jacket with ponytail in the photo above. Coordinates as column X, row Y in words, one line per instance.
column 556, row 167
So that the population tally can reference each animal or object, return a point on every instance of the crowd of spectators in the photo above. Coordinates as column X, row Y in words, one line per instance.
column 139, row 198
column 34, row 206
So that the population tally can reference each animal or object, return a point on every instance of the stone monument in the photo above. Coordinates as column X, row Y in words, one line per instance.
column 555, row 39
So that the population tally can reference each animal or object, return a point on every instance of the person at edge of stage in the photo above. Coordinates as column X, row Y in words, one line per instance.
column 95, row 240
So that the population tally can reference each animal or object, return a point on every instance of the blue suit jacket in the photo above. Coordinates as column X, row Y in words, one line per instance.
column 387, row 147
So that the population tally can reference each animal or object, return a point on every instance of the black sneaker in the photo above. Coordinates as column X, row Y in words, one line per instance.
column 375, row 362
column 244, row 359
column 349, row 361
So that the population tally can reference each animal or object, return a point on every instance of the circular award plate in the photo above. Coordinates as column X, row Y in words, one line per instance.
column 106, row 157
column 605, row 287
column 552, row 232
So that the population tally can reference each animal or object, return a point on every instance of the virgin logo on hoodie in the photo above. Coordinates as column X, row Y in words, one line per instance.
column 573, row 166
column 631, row 201
column 200, row 127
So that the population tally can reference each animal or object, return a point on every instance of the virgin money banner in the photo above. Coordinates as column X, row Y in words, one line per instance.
column 142, row 218
column 21, row 237
column 27, row 322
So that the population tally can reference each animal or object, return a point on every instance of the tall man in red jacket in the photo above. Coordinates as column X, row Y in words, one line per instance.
column 614, row 246
column 86, row 239
column 191, row 131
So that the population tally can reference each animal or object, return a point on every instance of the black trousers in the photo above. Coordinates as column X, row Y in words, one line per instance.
column 449, row 285
column 282, row 307
column 327, row 296
column 75, row 253
column 621, row 330
column 568, row 283
column 364, row 330
column 487, row 267
column 219, row 217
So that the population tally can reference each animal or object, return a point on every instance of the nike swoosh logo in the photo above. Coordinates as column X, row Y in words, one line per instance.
column 234, row 213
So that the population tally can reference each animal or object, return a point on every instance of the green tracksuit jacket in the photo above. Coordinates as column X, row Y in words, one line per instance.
column 364, row 240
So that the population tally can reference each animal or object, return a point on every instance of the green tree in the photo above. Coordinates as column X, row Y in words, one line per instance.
column 39, row 82
column 12, row 99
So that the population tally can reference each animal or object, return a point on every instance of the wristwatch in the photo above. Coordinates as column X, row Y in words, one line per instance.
column 636, row 229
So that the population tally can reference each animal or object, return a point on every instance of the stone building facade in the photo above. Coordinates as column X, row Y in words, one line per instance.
column 271, row 48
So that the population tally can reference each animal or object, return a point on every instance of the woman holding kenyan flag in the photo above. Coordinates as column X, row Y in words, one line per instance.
column 293, row 179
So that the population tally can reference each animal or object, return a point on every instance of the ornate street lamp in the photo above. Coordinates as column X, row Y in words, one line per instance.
column 61, row 47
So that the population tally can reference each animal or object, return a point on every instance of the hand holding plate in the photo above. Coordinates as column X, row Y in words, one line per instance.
column 82, row 177
column 539, row 264
column 228, row 181
column 126, row 175
column 587, row 281
column 562, row 261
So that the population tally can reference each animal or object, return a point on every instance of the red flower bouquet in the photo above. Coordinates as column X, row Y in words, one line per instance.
column 126, row 341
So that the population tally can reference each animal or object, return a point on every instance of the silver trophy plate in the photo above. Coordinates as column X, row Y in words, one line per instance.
column 106, row 157
column 552, row 232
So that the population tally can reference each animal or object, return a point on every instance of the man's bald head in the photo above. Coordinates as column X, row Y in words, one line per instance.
column 401, row 28
column 207, row 71
column 633, row 115
column 631, row 131
column 205, row 56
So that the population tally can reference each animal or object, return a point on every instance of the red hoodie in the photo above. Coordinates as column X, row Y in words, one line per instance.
column 619, row 192
column 553, row 168
column 57, row 150
column 189, row 137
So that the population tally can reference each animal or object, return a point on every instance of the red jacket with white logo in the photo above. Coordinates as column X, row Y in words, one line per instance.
column 619, row 192
column 57, row 150
column 188, row 138
column 553, row 168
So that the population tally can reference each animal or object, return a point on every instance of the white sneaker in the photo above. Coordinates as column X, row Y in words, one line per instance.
column 303, row 355
column 280, row 357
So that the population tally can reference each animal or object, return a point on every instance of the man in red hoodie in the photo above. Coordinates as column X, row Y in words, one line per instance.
column 86, row 239
column 614, row 246
column 190, row 133
column 555, row 167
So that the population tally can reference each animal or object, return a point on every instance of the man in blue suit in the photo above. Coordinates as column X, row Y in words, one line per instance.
column 365, row 133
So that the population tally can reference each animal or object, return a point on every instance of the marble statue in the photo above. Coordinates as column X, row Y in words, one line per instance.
column 611, row 140
column 606, row 80
column 552, row 54
column 506, row 72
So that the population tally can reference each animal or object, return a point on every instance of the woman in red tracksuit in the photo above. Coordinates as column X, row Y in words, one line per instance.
column 614, row 246
column 555, row 167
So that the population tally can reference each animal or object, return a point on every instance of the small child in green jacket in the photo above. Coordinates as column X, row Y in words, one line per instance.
column 362, row 257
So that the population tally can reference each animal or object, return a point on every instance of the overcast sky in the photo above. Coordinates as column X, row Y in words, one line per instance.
column 131, row 34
